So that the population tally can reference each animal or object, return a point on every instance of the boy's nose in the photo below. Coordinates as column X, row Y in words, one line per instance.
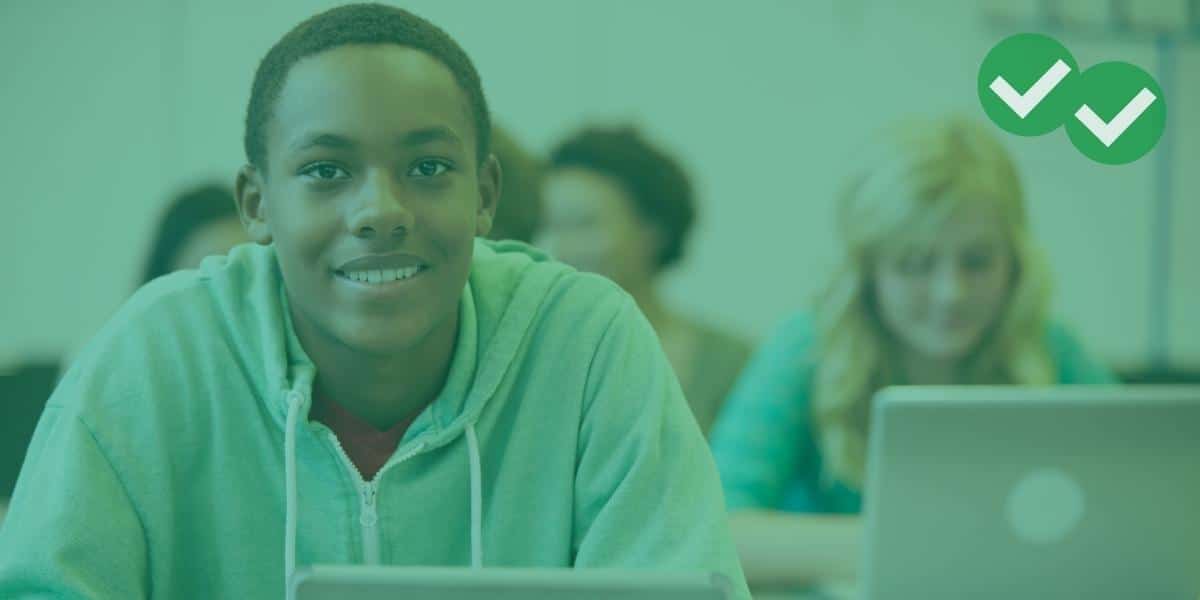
column 383, row 210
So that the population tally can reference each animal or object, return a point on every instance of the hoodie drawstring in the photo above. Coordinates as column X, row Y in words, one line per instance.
column 289, row 465
column 289, row 461
column 476, row 498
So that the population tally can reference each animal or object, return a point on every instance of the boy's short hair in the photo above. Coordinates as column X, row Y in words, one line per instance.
column 657, row 184
column 358, row 24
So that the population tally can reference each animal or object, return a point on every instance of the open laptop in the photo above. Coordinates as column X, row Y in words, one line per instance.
column 1008, row 492
column 445, row 583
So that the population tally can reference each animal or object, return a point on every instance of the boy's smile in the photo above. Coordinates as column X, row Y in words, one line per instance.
column 382, row 275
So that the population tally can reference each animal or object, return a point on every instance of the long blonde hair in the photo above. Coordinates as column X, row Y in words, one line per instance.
column 906, row 183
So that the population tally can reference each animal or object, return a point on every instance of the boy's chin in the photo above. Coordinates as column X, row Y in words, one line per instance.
column 383, row 339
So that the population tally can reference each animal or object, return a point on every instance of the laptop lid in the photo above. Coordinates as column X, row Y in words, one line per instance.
column 357, row 582
column 1008, row 492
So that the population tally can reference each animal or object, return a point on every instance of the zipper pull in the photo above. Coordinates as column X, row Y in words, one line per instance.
column 369, row 516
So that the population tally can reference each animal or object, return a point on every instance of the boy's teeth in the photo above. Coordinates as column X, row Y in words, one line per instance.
column 381, row 275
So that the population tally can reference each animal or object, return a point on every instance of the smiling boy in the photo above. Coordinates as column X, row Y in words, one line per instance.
column 368, row 383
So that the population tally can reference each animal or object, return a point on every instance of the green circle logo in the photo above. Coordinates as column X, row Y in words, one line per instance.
column 1122, row 115
column 1114, row 113
column 1027, row 84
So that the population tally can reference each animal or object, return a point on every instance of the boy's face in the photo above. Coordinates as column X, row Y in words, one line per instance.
column 372, row 196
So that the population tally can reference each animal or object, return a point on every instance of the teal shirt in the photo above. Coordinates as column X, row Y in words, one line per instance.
column 764, row 440
column 161, row 466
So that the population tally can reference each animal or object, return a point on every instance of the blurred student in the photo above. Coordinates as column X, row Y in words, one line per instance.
column 941, row 283
column 617, row 206
column 518, row 213
column 200, row 222
column 368, row 383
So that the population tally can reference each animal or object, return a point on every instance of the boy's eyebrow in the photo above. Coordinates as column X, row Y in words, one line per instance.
column 417, row 137
column 436, row 133
column 323, row 140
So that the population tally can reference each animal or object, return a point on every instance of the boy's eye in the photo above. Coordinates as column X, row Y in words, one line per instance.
column 325, row 171
column 429, row 168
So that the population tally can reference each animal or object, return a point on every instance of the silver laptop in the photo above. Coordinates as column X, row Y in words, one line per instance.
column 444, row 583
column 1006, row 492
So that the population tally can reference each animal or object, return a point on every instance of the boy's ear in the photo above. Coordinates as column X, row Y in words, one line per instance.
column 248, row 192
column 491, row 181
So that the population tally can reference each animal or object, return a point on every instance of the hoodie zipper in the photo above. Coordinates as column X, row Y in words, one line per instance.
column 368, row 493
column 368, row 517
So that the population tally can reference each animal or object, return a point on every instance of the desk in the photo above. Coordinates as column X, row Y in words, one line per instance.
column 843, row 591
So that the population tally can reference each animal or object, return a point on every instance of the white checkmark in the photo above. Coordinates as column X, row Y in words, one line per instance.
column 1108, row 132
column 1023, row 104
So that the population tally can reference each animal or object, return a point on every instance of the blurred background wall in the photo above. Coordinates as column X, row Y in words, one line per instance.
column 108, row 108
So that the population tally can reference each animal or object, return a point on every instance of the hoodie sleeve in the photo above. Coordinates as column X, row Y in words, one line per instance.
column 646, row 488
column 71, row 530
